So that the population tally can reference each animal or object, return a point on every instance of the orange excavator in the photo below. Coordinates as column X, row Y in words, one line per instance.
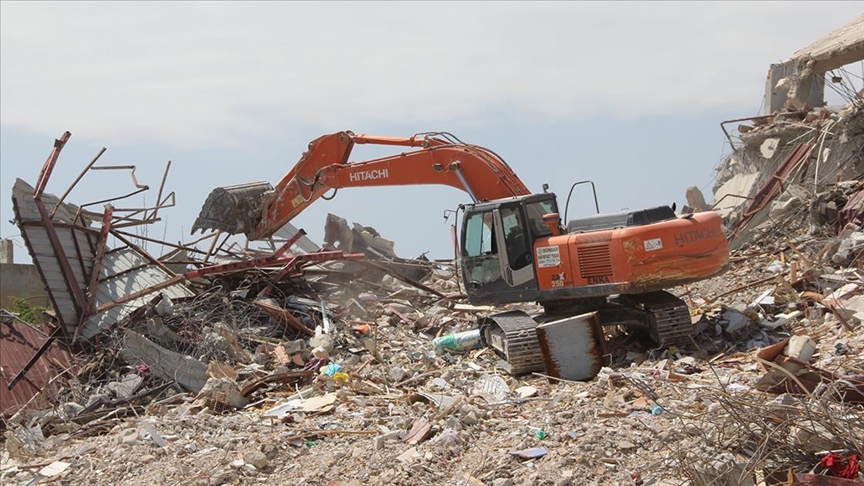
column 513, row 245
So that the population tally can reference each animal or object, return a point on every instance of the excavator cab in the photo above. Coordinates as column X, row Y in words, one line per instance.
column 497, row 247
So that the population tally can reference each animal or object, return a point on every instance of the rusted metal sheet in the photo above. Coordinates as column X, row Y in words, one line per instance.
column 573, row 348
column 77, row 243
column 18, row 343
column 853, row 212
column 846, row 388
column 123, row 271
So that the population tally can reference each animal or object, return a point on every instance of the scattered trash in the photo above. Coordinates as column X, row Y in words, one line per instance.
column 839, row 466
column 493, row 388
column 458, row 341
column 331, row 369
column 532, row 453
column 56, row 468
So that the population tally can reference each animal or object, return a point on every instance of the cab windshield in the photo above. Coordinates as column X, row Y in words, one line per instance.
column 536, row 210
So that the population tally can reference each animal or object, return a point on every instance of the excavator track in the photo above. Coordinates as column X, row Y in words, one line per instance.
column 512, row 334
column 672, row 324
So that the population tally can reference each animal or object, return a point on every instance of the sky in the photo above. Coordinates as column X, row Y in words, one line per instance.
column 629, row 95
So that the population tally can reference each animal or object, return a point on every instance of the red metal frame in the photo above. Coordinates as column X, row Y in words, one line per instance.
column 273, row 260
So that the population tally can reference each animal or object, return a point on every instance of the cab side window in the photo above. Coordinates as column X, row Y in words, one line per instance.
column 480, row 235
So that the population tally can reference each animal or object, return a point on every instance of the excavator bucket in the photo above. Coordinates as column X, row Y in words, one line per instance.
column 233, row 209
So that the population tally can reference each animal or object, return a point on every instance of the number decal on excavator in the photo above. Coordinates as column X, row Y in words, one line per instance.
column 558, row 279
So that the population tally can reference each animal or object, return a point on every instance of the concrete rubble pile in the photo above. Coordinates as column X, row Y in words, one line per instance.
column 329, row 374
column 803, row 160
column 295, row 364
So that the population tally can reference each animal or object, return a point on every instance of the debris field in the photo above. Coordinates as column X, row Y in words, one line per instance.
column 221, row 362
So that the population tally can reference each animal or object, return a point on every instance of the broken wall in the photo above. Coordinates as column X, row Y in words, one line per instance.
column 785, row 168
column 21, row 281
column 803, row 161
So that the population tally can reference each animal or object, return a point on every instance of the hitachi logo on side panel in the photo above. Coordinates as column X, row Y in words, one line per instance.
column 368, row 175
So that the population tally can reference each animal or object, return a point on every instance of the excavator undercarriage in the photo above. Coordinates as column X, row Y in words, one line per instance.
column 512, row 334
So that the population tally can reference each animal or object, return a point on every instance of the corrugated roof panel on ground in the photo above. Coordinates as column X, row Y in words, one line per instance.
column 18, row 344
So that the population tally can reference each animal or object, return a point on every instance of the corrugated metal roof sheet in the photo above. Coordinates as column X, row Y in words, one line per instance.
column 39, row 244
column 123, row 271
column 18, row 343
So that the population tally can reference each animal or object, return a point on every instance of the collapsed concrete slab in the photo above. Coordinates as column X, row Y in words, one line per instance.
column 188, row 372
column 798, row 142
column 800, row 80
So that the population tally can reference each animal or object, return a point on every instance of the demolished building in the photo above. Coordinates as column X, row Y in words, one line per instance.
column 803, row 159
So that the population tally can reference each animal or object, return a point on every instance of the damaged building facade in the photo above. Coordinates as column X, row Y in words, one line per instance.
column 802, row 159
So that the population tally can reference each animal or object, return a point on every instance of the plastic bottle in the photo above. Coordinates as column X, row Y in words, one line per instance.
column 459, row 341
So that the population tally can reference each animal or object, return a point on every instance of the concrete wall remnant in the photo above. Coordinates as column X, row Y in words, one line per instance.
column 753, row 182
column 695, row 201
column 23, row 282
column 799, row 81
column 7, row 251
column 18, row 280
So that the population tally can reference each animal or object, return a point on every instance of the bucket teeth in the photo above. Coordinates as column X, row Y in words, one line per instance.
column 233, row 209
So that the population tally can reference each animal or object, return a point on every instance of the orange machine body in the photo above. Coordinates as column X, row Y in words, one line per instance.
column 613, row 258
column 633, row 259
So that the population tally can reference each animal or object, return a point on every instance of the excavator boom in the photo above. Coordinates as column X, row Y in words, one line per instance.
column 259, row 209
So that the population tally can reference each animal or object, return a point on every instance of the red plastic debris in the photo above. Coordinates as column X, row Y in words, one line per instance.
column 840, row 467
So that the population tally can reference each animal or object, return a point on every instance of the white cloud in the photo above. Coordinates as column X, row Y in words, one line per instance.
column 188, row 73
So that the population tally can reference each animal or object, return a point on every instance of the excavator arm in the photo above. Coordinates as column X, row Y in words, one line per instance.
column 259, row 209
